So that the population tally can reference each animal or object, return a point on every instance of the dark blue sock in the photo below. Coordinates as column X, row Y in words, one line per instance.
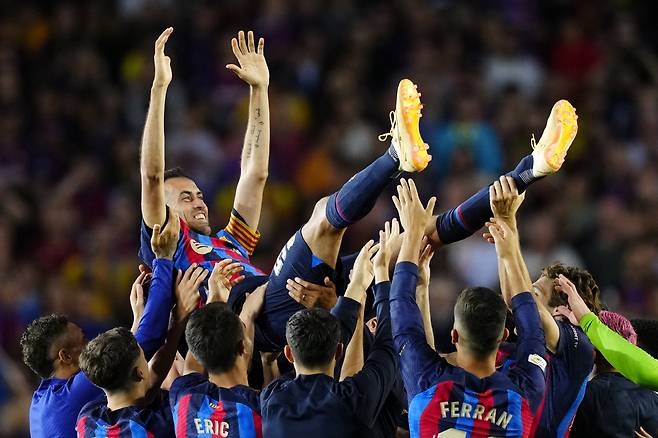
column 358, row 195
column 461, row 222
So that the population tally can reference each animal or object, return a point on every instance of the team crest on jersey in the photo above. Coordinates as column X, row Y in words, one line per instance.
column 200, row 248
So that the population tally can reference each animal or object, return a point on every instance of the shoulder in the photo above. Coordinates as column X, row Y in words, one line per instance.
column 193, row 382
column 574, row 341
column 94, row 408
column 249, row 396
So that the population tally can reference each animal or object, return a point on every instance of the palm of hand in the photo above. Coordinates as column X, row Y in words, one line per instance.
column 254, row 69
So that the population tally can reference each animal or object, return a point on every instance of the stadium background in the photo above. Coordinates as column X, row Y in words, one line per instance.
column 74, row 84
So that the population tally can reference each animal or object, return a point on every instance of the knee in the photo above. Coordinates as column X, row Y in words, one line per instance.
column 319, row 220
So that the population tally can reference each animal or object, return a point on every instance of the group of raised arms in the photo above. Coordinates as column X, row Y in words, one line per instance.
column 330, row 345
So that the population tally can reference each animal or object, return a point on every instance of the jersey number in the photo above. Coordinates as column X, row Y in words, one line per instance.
column 282, row 257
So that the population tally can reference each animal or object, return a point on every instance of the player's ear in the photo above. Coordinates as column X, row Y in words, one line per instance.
column 505, row 334
column 339, row 351
column 287, row 352
column 64, row 356
column 241, row 348
column 137, row 375
column 454, row 336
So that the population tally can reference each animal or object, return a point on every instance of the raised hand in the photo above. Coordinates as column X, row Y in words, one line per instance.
column 220, row 283
column 424, row 263
column 162, row 62
column 137, row 301
column 363, row 273
column 387, row 238
column 164, row 241
column 413, row 215
column 504, row 198
column 504, row 237
column 253, row 68
column 187, row 290
column 576, row 303
column 312, row 295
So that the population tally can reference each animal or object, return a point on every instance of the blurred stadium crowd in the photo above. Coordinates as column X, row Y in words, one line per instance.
column 74, row 84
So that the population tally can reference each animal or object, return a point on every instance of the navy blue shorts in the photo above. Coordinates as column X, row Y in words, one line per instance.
column 295, row 260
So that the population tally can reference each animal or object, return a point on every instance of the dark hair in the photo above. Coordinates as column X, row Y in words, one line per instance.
column 313, row 335
column 108, row 360
column 647, row 335
column 584, row 282
column 214, row 334
column 175, row 172
column 37, row 340
column 480, row 313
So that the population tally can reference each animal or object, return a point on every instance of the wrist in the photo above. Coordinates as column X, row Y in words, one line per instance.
column 354, row 292
column 381, row 274
column 259, row 87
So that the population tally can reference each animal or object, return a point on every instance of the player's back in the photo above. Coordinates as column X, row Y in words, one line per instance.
column 466, row 405
column 201, row 409
column 150, row 421
column 308, row 406
column 615, row 407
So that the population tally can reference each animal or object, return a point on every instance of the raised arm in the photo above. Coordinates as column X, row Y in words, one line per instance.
column 152, row 327
column 630, row 360
column 152, row 160
column 418, row 362
column 423, row 291
column 187, row 298
column 505, row 202
column 219, row 289
column 368, row 390
column 530, row 365
column 256, row 149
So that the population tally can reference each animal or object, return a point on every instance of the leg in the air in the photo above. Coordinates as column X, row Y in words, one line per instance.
column 547, row 157
column 311, row 253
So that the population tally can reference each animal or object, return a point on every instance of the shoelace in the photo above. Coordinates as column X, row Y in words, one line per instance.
column 533, row 143
column 384, row 136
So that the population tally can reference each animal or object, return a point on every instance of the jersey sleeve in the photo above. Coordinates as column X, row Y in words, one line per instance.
column 630, row 360
column 347, row 312
column 241, row 233
column 530, row 363
column 145, row 252
column 419, row 364
column 367, row 391
column 152, row 328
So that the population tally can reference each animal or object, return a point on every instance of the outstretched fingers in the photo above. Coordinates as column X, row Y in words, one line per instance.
column 162, row 39
column 250, row 41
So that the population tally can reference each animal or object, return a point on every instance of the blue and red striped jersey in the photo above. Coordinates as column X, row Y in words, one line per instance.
column 96, row 420
column 448, row 399
column 566, row 380
column 236, row 242
column 202, row 409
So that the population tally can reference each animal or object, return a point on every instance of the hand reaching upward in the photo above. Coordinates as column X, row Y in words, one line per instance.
column 162, row 62
column 253, row 68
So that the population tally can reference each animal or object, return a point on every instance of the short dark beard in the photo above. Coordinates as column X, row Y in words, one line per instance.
column 557, row 299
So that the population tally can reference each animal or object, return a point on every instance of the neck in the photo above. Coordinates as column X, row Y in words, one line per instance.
column 234, row 376
column 65, row 372
column 122, row 399
column 480, row 368
column 327, row 370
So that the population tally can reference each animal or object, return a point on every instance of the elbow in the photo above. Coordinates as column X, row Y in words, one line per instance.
column 152, row 178
column 257, row 177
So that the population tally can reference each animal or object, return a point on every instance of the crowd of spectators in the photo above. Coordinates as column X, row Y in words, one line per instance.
column 74, row 84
